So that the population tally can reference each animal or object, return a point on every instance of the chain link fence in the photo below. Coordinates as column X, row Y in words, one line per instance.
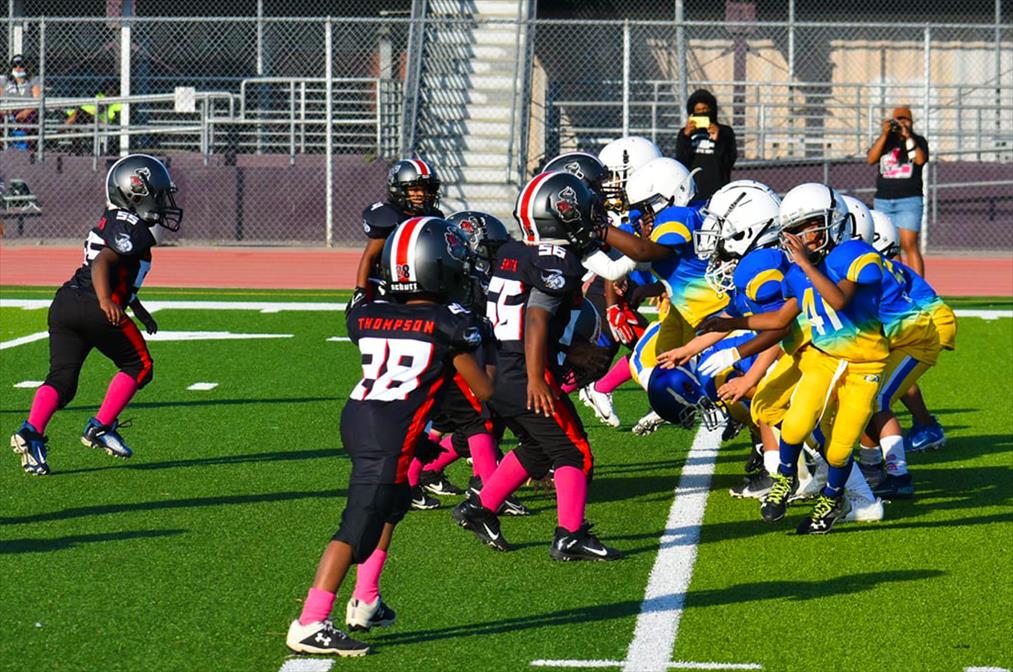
column 273, row 142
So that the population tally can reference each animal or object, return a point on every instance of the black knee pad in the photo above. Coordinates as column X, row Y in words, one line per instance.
column 65, row 384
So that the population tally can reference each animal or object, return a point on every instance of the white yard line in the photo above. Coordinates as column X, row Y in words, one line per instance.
column 665, row 597
column 307, row 665
column 22, row 340
column 29, row 384
column 673, row 665
column 202, row 387
column 339, row 339
column 985, row 669
column 661, row 611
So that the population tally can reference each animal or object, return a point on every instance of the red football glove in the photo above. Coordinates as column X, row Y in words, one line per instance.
column 624, row 324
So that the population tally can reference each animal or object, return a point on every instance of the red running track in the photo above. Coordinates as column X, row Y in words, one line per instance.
column 314, row 268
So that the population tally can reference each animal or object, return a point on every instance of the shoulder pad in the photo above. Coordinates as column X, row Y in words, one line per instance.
column 760, row 273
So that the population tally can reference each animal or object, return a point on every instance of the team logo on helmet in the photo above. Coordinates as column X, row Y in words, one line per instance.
column 574, row 167
column 139, row 182
column 566, row 206
column 455, row 246
column 469, row 226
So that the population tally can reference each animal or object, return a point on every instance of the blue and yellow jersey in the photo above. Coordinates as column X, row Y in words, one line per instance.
column 758, row 278
column 854, row 333
column 683, row 272
column 636, row 276
column 644, row 355
column 906, row 325
column 926, row 298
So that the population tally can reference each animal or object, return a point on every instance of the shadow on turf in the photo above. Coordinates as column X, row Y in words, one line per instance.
column 179, row 403
column 280, row 455
column 62, row 543
column 130, row 507
column 747, row 592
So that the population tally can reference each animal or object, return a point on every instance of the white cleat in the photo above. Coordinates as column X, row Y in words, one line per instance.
column 648, row 424
column 864, row 510
column 601, row 404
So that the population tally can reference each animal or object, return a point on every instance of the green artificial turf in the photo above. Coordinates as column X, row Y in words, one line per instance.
column 196, row 553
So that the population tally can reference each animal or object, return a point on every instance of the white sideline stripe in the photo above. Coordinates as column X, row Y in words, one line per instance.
column 673, row 665
column 985, row 669
column 339, row 339
column 307, row 665
column 161, row 336
column 202, row 387
column 21, row 340
column 29, row 384
column 314, row 306
column 660, row 613
column 209, row 336
column 262, row 306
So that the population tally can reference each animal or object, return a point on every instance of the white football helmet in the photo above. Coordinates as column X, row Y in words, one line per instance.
column 819, row 204
column 861, row 218
column 624, row 157
column 742, row 216
column 884, row 236
column 660, row 183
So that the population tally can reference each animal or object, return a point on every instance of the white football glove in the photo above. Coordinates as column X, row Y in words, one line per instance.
column 719, row 361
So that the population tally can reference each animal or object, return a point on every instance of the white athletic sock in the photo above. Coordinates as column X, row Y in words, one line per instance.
column 893, row 453
column 771, row 458
column 856, row 485
column 870, row 456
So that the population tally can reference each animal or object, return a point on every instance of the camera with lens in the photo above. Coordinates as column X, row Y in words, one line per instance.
column 894, row 126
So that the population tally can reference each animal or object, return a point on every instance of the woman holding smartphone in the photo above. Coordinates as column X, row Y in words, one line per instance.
column 706, row 144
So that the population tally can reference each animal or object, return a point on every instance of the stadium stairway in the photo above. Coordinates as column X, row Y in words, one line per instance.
column 472, row 77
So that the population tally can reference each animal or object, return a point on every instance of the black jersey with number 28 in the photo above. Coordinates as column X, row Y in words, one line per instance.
column 407, row 356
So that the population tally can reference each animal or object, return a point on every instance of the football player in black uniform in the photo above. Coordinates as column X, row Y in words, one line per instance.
column 534, row 290
column 88, row 311
column 413, row 190
column 461, row 423
column 410, row 348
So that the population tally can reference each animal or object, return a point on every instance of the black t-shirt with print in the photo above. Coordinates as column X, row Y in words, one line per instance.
column 899, row 176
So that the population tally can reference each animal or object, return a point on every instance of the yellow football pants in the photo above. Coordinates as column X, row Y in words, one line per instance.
column 774, row 391
column 855, row 385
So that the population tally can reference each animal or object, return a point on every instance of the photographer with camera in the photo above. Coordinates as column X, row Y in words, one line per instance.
column 901, row 153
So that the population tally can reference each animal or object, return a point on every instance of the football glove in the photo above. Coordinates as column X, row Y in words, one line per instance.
column 719, row 361
column 623, row 324
column 359, row 297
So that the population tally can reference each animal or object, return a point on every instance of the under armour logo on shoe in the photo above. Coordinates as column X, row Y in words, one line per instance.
column 323, row 639
column 819, row 524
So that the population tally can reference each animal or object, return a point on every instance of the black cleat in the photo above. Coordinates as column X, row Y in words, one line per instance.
column 755, row 461
column 471, row 515
column 321, row 637
column 421, row 501
column 775, row 504
column 436, row 483
column 754, row 487
column 30, row 447
column 826, row 512
column 874, row 473
column 895, row 487
column 580, row 545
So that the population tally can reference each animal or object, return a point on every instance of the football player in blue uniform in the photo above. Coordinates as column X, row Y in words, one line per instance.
column 837, row 284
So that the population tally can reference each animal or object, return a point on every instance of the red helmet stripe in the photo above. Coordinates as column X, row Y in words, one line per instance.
column 526, row 205
column 420, row 166
column 404, row 252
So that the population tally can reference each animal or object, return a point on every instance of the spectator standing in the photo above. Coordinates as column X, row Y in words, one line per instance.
column 710, row 147
column 19, row 83
column 901, row 153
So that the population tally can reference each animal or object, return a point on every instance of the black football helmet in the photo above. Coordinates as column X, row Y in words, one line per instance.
column 558, row 207
column 485, row 235
column 428, row 256
column 585, row 166
column 584, row 359
column 413, row 173
column 141, row 184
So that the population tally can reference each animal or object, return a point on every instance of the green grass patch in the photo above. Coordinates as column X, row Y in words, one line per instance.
column 197, row 553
